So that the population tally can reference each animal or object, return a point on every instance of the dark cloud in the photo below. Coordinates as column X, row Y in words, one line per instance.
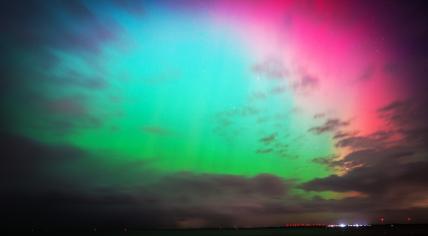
column 271, row 69
column 66, row 114
column 306, row 82
column 380, row 178
column 25, row 162
column 326, row 160
column 343, row 134
column 204, row 200
column 66, row 106
column 387, row 168
column 355, row 141
column 329, row 125
column 264, row 151
column 37, row 24
column 408, row 119
column 406, row 126
column 268, row 139
column 260, row 185
column 196, row 200
column 36, row 193
column 39, row 199
column 72, row 209
column 364, row 167
column 319, row 115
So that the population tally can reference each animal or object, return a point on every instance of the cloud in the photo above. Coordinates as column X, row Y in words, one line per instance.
column 184, row 199
column 66, row 114
column 306, row 82
column 408, row 119
column 187, row 199
column 66, row 106
column 364, row 167
column 382, row 177
column 383, row 165
column 268, row 139
column 406, row 126
column 36, row 24
column 264, row 151
column 260, row 185
column 36, row 193
column 24, row 163
column 270, row 69
column 329, row 125
column 355, row 141
column 319, row 115
column 175, row 200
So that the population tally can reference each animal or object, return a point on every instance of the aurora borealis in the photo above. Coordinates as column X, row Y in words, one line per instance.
column 213, row 113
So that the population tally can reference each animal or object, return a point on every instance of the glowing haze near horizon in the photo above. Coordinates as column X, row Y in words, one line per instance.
column 213, row 90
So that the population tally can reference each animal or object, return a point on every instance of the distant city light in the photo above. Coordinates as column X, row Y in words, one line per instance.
column 346, row 225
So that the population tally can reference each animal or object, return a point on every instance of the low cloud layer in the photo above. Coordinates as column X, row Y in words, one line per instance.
column 387, row 169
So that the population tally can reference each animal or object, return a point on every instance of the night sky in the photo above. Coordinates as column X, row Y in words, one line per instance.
column 213, row 113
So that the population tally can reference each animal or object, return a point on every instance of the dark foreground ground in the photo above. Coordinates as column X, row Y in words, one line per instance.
column 366, row 231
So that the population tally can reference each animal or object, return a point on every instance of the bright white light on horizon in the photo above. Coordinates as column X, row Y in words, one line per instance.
column 345, row 225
